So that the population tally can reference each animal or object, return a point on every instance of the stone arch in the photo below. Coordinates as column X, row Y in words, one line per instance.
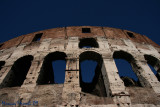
column 130, row 59
column 88, row 42
column 154, row 62
column 95, row 87
column 123, row 55
column 2, row 63
column 46, row 75
column 18, row 72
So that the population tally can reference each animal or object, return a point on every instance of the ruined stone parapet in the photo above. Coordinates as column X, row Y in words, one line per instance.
column 106, row 90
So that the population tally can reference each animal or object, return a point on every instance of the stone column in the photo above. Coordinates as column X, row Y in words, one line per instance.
column 28, row 86
column 32, row 74
column 71, row 89
column 4, row 72
column 114, row 85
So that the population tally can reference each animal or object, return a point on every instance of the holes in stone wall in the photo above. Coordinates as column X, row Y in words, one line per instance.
column 18, row 72
column 91, row 80
column 123, row 61
column 1, row 45
column 53, row 69
column 88, row 43
column 2, row 64
column 131, row 35
column 154, row 64
column 86, row 30
column 37, row 37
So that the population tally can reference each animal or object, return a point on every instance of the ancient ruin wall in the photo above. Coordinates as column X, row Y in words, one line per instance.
column 107, row 88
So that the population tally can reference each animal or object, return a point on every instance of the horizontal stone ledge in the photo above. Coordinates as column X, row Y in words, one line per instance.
column 113, row 95
column 67, row 58
column 72, row 70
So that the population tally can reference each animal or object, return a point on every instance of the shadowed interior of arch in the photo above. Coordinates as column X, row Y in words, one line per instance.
column 126, row 73
column 2, row 63
column 154, row 65
column 18, row 72
column 91, row 79
column 53, row 69
column 123, row 62
column 155, row 72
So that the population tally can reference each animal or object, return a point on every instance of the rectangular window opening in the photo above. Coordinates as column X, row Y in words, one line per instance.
column 1, row 45
column 130, row 34
column 37, row 37
column 86, row 30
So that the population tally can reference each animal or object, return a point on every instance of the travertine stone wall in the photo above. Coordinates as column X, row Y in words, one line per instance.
column 70, row 93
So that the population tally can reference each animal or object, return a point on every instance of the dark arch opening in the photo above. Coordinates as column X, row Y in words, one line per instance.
column 155, row 63
column 94, row 86
column 124, row 62
column 2, row 63
column 18, row 72
column 53, row 69
column 88, row 43
column 123, row 55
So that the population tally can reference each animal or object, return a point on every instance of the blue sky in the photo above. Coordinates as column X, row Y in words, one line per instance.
column 18, row 17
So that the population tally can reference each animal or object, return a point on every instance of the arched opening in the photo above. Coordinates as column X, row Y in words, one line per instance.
column 2, row 64
column 53, row 69
column 124, row 62
column 154, row 64
column 18, row 72
column 88, row 43
column 91, row 80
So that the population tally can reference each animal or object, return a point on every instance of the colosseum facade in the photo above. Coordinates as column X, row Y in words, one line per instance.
column 26, row 76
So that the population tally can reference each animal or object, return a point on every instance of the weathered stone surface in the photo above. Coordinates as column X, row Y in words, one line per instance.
column 47, row 95
column 141, row 95
column 107, row 88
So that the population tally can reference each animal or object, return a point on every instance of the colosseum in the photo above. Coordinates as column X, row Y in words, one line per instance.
column 27, row 77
